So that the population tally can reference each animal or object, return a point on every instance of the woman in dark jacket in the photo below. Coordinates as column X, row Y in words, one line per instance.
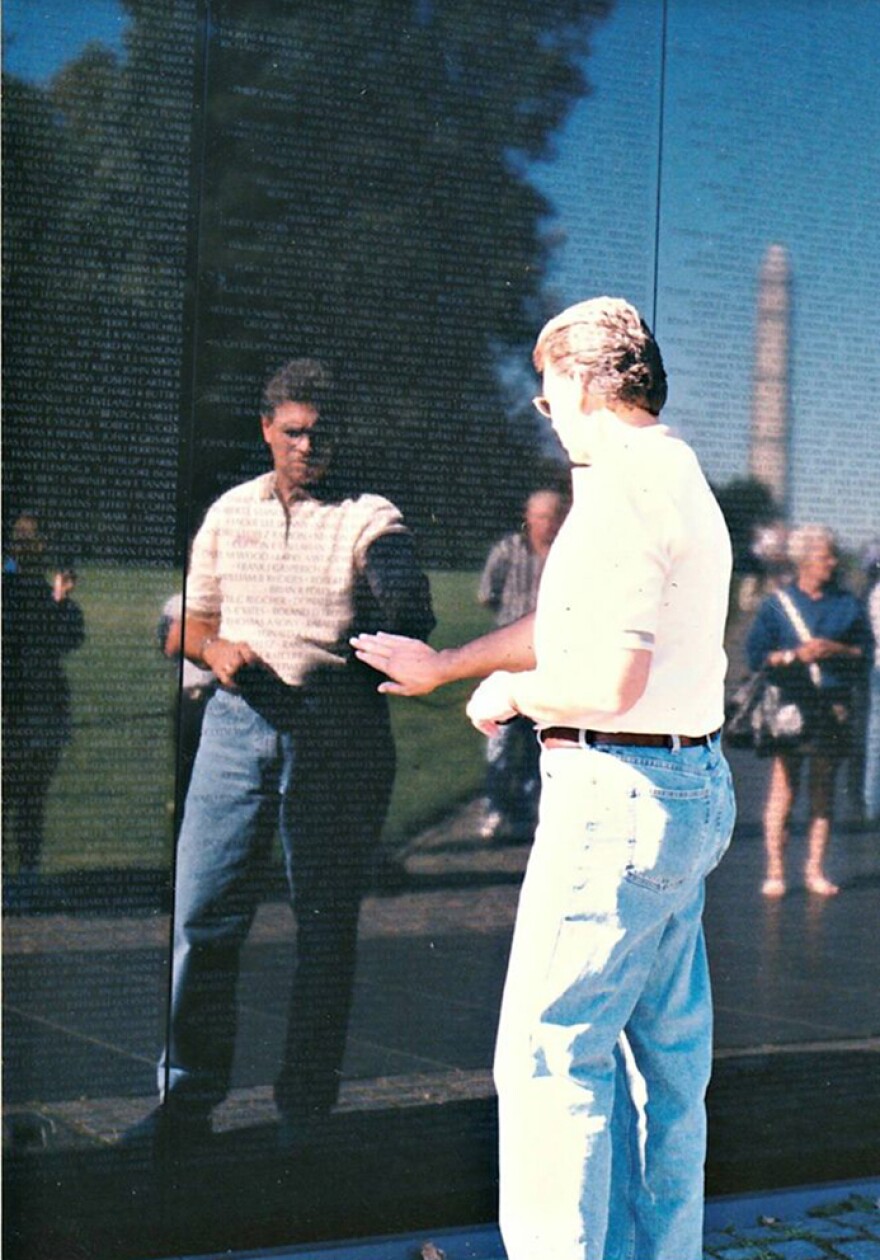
column 41, row 624
column 839, row 646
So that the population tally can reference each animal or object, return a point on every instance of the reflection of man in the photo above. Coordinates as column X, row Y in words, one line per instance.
column 509, row 587
column 604, row 1045
column 41, row 624
column 294, row 738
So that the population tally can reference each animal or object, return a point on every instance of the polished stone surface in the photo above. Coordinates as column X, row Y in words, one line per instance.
column 84, row 992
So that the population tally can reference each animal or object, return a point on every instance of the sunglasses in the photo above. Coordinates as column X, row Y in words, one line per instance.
column 319, row 439
column 542, row 406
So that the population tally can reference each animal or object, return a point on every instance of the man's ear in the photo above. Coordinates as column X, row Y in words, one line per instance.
column 591, row 395
column 265, row 425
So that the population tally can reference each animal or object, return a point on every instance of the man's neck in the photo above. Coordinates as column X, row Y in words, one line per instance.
column 810, row 587
column 539, row 548
column 290, row 494
column 638, row 417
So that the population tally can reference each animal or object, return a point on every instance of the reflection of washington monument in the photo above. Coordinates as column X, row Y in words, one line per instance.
column 768, row 455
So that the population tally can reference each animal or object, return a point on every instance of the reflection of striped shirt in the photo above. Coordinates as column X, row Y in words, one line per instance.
column 285, row 584
column 509, row 584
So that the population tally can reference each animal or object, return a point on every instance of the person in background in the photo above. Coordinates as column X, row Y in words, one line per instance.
column 771, row 567
column 604, row 1044
column 871, row 564
column 42, row 624
column 509, row 587
column 195, row 688
column 294, row 739
column 838, row 647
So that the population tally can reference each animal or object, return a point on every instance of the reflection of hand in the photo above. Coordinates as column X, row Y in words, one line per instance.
column 817, row 650
column 491, row 704
column 225, row 658
column 63, row 583
column 413, row 667
column 841, row 713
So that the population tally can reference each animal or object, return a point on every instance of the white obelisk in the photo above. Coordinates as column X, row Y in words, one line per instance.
column 768, row 457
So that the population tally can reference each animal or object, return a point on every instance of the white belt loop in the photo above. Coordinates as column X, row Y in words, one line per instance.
column 582, row 738
column 676, row 743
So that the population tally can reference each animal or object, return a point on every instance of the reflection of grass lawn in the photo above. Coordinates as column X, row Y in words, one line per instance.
column 109, row 804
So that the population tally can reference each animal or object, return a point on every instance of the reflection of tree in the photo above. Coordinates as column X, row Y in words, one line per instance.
column 746, row 504
column 95, row 234
column 362, row 196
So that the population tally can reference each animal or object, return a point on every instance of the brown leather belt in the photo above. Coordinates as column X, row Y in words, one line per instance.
column 565, row 736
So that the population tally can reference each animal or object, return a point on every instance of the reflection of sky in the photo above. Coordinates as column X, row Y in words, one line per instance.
column 38, row 35
column 771, row 133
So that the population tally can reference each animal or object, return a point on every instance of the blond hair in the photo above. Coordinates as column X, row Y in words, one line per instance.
column 609, row 340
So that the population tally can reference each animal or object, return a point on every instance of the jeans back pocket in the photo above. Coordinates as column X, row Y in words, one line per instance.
column 670, row 826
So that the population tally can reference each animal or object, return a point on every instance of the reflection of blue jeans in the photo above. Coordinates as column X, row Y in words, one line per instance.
column 321, row 774
column 513, row 778
column 604, row 1045
column 872, row 750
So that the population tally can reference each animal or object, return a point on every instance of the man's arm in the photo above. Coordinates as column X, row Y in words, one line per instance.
column 201, row 645
column 399, row 587
column 70, row 626
column 577, row 694
column 415, row 669
column 493, row 577
column 172, row 638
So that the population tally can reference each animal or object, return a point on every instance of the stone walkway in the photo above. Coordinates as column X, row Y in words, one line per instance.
column 839, row 1222
column 836, row 1222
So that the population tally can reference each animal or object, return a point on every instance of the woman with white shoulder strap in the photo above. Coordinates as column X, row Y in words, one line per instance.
column 814, row 637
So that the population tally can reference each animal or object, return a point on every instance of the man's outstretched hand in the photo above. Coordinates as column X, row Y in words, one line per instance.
column 412, row 667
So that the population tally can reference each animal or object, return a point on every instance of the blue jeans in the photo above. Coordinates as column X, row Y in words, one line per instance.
column 872, row 750
column 319, row 769
column 605, row 1038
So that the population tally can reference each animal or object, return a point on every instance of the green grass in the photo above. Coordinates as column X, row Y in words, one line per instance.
column 110, row 803
column 439, row 754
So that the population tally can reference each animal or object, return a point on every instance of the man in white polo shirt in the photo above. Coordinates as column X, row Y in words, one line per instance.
column 296, row 739
column 604, row 1043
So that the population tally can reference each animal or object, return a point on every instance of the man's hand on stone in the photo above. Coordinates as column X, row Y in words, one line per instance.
column 491, row 705
column 226, row 658
column 413, row 668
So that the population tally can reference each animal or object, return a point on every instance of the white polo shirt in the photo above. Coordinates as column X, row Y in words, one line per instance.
column 642, row 561
column 285, row 586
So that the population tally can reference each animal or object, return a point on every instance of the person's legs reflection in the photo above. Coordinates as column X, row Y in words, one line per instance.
column 781, row 793
column 228, row 823
column 330, row 824
column 872, row 752
column 821, row 789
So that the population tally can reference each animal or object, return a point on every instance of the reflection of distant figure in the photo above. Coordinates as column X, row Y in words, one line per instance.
column 509, row 587
column 838, row 648
column 196, row 687
column 872, row 742
column 771, row 566
column 41, row 624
